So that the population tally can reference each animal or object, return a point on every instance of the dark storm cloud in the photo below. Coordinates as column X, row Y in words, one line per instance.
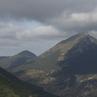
column 52, row 12
column 77, row 22
column 37, row 9
column 43, row 9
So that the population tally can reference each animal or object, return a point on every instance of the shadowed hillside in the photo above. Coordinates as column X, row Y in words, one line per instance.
column 10, row 86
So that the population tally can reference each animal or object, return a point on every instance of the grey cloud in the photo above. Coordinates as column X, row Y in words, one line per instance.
column 57, row 19
column 14, row 30
column 76, row 22
column 5, row 43
column 43, row 9
column 50, row 11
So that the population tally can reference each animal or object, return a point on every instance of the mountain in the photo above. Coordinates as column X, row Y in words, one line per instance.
column 82, row 57
column 77, row 76
column 10, row 86
column 50, row 58
column 69, row 69
column 18, row 62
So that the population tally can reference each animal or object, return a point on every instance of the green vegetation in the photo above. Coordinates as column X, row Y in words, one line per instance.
column 10, row 86
column 5, row 90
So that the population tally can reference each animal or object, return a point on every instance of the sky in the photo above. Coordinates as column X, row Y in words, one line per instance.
column 37, row 25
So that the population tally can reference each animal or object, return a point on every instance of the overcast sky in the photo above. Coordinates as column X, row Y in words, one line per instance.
column 37, row 25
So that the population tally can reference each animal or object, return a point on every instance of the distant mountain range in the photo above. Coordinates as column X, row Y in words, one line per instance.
column 69, row 69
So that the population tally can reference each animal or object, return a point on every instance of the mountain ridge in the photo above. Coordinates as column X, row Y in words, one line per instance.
column 69, row 69
column 71, row 77
column 56, row 53
column 15, row 62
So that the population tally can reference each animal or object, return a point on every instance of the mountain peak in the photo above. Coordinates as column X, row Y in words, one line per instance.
column 26, row 53
column 81, row 41
column 77, row 37
column 83, row 35
column 86, row 38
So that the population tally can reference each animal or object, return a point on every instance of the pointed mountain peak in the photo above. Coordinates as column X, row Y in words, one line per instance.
column 78, row 37
column 76, row 43
column 83, row 35
column 26, row 53
column 87, row 37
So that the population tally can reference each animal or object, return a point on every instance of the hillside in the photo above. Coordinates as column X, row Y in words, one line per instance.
column 69, row 69
column 18, row 62
column 51, row 57
column 10, row 86
column 49, row 61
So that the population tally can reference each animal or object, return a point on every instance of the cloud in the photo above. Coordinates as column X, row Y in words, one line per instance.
column 40, row 32
column 16, row 36
column 65, row 15
column 43, row 9
column 34, row 9
column 76, row 22
column 14, row 30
